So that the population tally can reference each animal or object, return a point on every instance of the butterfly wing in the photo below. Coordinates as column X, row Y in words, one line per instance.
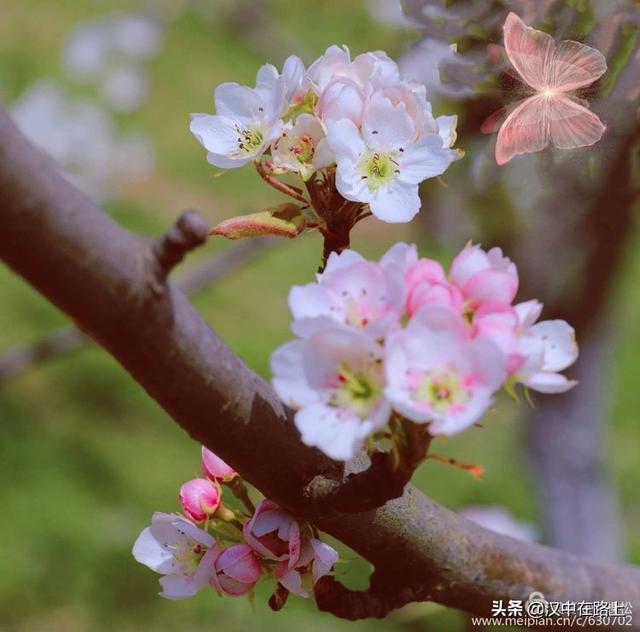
column 571, row 124
column 574, row 65
column 496, row 119
column 530, row 51
column 525, row 130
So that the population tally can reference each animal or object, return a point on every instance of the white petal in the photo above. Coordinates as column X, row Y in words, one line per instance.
column 311, row 300
column 220, row 138
column 549, row 383
column 180, row 586
column 344, row 140
column 560, row 348
column 339, row 435
column 528, row 312
column 340, row 260
column 398, row 202
column 289, row 380
column 148, row 551
column 447, row 129
column 426, row 159
column 472, row 412
column 238, row 102
column 386, row 127
column 400, row 254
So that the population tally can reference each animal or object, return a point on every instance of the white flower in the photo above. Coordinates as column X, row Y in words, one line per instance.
column 176, row 548
column 246, row 123
column 437, row 375
column 335, row 62
column 290, row 84
column 334, row 379
column 352, row 291
column 549, row 347
column 383, row 166
column 302, row 148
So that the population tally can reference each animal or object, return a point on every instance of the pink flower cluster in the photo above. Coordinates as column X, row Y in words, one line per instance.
column 271, row 542
column 403, row 335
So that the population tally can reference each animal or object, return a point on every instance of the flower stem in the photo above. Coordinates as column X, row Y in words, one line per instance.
column 271, row 180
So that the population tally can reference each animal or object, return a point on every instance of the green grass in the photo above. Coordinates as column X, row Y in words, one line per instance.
column 86, row 456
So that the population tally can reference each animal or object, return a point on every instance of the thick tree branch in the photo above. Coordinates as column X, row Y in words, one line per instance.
column 67, row 339
column 102, row 276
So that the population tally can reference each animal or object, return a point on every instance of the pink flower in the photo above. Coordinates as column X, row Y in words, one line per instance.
column 199, row 498
column 273, row 534
column 316, row 560
column 500, row 323
column 427, row 285
column 236, row 571
column 214, row 467
column 436, row 374
column 484, row 276
column 351, row 291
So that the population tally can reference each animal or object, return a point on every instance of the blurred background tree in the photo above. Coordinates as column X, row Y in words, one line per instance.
column 107, row 91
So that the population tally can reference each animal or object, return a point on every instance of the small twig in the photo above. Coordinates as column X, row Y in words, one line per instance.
column 271, row 180
column 190, row 231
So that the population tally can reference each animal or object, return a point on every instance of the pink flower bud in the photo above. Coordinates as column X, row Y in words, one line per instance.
column 199, row 498
column 424, row 270
column 426, row 285
column 236, row 571
column 485, row 276
column 214, row 467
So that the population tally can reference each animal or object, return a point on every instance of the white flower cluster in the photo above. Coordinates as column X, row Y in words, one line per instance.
column 358, row 116
column 402, row 336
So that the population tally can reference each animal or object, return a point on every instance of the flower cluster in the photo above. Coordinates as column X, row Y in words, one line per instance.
column 400, row 338
column 230, row 551
column 356, row 124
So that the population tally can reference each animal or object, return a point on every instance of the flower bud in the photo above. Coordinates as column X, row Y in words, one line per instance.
column 214, row 468
column 199, row 498
column 236, row 571
column 284, row 220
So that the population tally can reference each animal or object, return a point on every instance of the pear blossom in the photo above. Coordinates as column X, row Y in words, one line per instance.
column 499, row 322
column 382, row 165
column 437, row 375
column 427, row 284
column 534, row 352
column 247, row 122
column 315, row 561
column 302, row 148
column 214, row 468
column 174, row 547
column 235, row 570
column 351, row 291
column 334, row 379
column 275, row 535
column 549, row 347
column 199, row 498
column 484, row 276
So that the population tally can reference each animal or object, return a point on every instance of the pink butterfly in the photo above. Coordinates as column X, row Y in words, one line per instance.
column 551, row 114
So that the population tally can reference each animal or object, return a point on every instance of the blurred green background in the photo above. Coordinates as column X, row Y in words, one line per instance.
column 86, row 456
